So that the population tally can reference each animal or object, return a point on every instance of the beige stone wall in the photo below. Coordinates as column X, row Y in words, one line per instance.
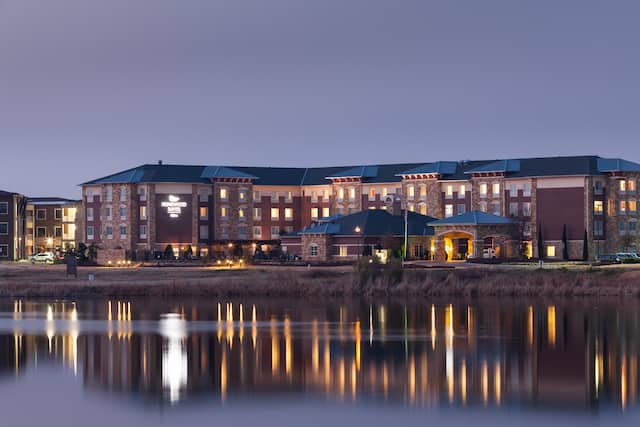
column 432, row 200
column 324, row 247
column 347, row 203
column 233, row 205
column 113, row 255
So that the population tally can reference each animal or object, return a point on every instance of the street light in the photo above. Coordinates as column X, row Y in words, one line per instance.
column 358, row 230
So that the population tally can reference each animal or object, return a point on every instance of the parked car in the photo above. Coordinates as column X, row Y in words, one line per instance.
column 621, row 256
column 42, row 258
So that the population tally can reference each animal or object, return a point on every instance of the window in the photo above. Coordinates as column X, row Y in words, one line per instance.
column 598, row 187
column 224, row 232
column 526, row 189
column 57, row 213
column 89, row 214
column 411, row 192
column 275, row 197
column 598, row 207
column 41, row 214
column 288, row 196
column 204, row 232
column 142, row 194
column 275, row 214
column 224, row 194
column 90, row 232
column 314, row 213
column 372, row 194
column 483, row 206
column 325, row 212
column 4, row 208
column 495, row 189
column 41, row 232
column 109, row 195
column 257, row 213
column 123, row 231
column 623, row 186
column 526, row 209
column 4, row 251
column 4, row 228
column 256, row 196
column 108, row 212
column 495, row 208
column 242, row 214
column 123, row 213
column 109, row 232
column 448, row 211
column 462, row 192
column 341, row 194
column 57, row 232
column 513, row 190
column 423, row 191
column 343, row 251
column 325, row 195
column 513, row 209
column 288, row 214
column 143, row 231
column 449, row 191
column 257, row 232
column 461, row 209
column 123, row 193
column 526, row 229
column 411, row 207
column 598, row 227
column 385, row 192
column 224, row 212
column 623, row 206
column 143, row 212
column 622, row 228
column 313, row 250
column 275, row 232
column 242, row 195
column 632, row 227
column 632, row 206
column 242, row 232
column 314, row 196
column 631, row 185
column 483, row 189
column 423, row 209
column 551, row 251
column 352, row 193
column 339, row 210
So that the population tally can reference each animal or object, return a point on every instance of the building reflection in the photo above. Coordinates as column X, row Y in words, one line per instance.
column 430, row 354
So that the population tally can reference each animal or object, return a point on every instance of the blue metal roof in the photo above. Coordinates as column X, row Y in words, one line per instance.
column 224, row 172
column 441, row 168
column 358, row 171
column 510, row 165
column 473, row 218
column 617, row 165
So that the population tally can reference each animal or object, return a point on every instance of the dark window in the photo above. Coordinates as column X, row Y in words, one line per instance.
column 4, row 208
column 41, row 232
column 58, row 214
column 41, row 214
column 58, row 232
column 4, row 251
column 4, row 228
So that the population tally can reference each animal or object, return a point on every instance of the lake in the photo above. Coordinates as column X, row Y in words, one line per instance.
column 149, row 362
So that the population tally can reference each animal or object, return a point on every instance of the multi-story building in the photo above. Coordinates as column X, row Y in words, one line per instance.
column 210, row 208
column 12, row 226
column 51, row 224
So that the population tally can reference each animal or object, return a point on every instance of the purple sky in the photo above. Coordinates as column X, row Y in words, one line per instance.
column 89, row 87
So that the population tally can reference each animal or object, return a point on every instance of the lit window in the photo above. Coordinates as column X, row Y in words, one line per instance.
column 343, row 251
column 223, row 212
column 623, row 206
column 631, row 185
column 257, row 213
column 340, row 194
column 551, row 251
column 598, row 207
column 325, row 212
column 288, row 214
column 143, row 212
column 224, row 193
column 314, row 213
column 313, row 250
column 275, row 214
column 423, row 190
column 423, row 209
column 623, row 186
column 289, row 196
column 495, row 188
column 352, row 193
column 462, row 192
column 242, row 213
column 256, row 196
column 449, row 191
column 372, row 194
column 384, row 192
column 632, row 205
column 411, row 192
column 483, row 189
column 204, row 212
column 411, row 207
column 448, row 211
column 325, row 195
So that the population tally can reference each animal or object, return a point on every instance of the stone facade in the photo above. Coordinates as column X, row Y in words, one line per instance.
column 322, row 242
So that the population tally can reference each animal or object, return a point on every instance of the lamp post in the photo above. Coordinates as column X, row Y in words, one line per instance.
column 358, row 230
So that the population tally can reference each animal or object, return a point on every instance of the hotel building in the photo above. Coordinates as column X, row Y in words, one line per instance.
column 505, row 205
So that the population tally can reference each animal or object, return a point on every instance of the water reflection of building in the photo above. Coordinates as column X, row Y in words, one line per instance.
column 431, row 354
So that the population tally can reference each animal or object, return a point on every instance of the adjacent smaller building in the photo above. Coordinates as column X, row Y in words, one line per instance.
column 51, row 224
column 370, row 232
column 12, row 226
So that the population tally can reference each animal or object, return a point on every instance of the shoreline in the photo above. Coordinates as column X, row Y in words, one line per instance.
column 301, row 282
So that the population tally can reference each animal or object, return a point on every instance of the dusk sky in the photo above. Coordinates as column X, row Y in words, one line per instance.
column 90, row 87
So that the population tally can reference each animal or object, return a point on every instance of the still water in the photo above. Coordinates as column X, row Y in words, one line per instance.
column 268, row 362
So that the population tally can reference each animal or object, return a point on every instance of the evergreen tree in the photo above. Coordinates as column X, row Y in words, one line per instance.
column 540, row 245
column 585, row 247
column 565, row 243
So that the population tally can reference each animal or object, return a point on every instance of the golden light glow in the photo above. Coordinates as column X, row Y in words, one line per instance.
column 357, row 339
column 530, row 326
column 484, row 374
column 551, row 325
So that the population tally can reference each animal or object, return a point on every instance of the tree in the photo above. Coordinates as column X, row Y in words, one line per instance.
column 565, row 243
column 168, row 252
column 540, row 244
column 585, row 246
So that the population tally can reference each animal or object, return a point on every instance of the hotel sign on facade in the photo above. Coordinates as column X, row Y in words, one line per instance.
column 174, row 206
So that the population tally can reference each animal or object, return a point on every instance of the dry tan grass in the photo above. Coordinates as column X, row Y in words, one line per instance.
column 50, row 281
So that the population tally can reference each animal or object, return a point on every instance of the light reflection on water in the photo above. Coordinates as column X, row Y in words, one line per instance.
column 421, row 353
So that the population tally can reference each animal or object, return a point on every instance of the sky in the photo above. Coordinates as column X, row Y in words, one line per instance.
column 91, row 87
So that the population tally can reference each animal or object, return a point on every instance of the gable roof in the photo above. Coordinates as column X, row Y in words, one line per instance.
column 473, row 218
column 373, row 222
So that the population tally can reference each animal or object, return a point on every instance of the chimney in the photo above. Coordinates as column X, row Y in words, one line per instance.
column 160, row 162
